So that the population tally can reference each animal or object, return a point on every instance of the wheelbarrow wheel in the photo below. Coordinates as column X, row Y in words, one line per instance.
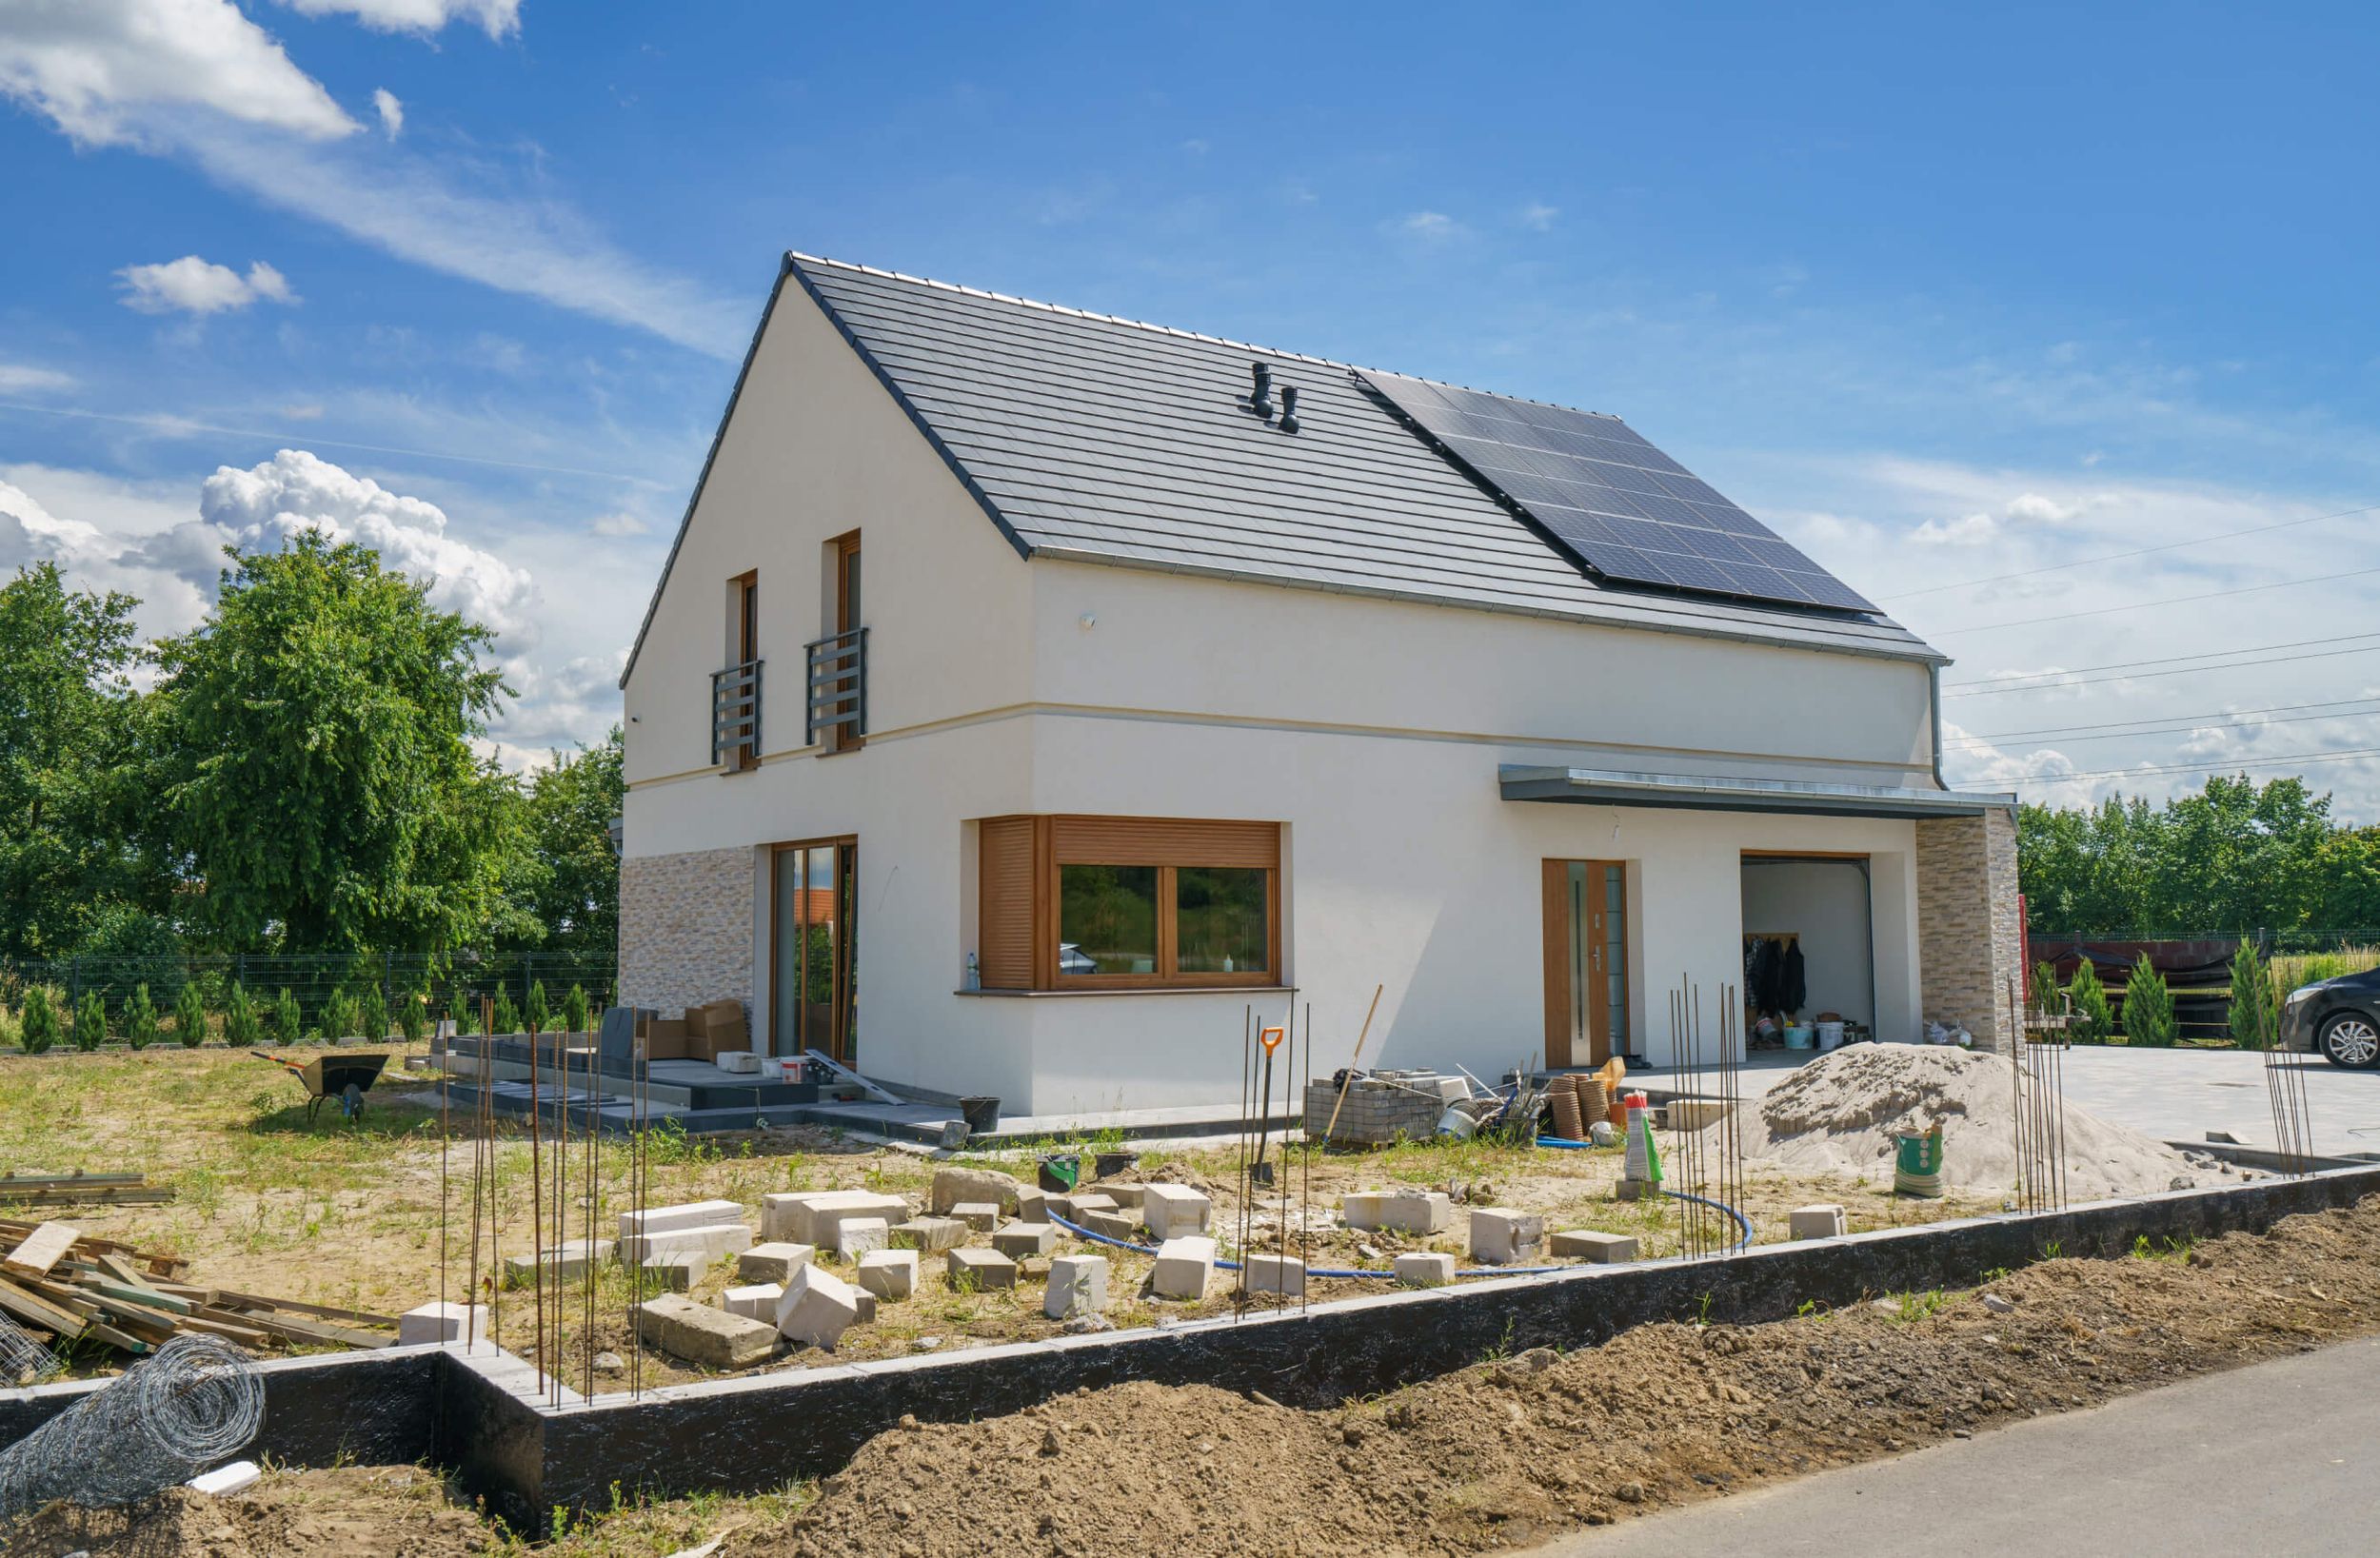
column 351, row 1102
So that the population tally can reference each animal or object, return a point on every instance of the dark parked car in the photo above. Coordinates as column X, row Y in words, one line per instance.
column 2340, row 1017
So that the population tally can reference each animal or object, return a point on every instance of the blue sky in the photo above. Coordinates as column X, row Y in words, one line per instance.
column 1943, row 294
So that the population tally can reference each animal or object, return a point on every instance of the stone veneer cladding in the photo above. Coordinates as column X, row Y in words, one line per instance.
column 685, row 929
column 1968, row 943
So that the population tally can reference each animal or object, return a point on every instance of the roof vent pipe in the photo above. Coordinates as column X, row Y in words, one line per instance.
column 1289, row 409
column 1261, row 401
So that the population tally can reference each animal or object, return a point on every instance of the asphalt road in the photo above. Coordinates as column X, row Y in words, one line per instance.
column 2277, row 1458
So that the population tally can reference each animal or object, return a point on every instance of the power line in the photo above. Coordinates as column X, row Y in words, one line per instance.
column 2169, row 601
column 2341, row 756
column 2161, row 720
column 2138, row 551
column 2066, row 738
column 1978, row 689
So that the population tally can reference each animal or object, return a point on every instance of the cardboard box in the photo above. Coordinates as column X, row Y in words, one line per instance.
column 665, row 1039
column 701, row 1019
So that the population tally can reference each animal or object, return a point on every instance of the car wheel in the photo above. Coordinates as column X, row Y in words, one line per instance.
column 2352, row 1040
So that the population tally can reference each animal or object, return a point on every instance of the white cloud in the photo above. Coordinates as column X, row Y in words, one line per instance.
column 1539, row 217
column 391, row 111
column 295, row 491
column 617, row 524
column 1431, row 227
column 2033, row 505
column 95, row 66
column 498, row 18
column 25, row 379
column 192, row 286
column 1967, row 530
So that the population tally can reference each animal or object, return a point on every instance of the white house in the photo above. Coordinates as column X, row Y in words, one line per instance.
column 1030, row 691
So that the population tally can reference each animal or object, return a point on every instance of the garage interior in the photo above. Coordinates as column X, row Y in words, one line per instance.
column 1816, row 916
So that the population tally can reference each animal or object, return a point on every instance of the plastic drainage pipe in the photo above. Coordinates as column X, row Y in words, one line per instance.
column 1565, row 1144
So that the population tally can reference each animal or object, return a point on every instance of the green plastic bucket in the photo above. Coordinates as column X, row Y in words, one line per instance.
column 1918, row 1163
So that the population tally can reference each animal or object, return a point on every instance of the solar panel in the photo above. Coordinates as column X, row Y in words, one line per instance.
column 1621, row 507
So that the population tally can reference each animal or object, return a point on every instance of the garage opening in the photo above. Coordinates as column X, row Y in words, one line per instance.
column 1809, row 946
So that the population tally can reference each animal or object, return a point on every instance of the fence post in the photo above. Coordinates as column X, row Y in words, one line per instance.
column 74, row 983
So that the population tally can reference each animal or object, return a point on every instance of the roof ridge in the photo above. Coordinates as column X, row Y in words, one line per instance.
column 796, row 256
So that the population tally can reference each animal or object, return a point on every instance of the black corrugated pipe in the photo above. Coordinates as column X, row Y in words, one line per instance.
column 1260, row 401
column 1289, row 409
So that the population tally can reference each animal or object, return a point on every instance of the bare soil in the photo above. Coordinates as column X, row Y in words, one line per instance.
column 1506, row 1453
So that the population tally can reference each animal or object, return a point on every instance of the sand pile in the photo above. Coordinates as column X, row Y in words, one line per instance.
column 1837, row 1115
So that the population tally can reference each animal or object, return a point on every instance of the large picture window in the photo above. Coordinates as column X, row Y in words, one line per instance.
column 1117, row 902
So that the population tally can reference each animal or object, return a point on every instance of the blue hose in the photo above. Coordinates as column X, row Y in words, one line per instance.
column 1564, row 1143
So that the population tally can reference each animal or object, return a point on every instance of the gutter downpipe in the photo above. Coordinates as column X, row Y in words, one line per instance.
column 1933, row 709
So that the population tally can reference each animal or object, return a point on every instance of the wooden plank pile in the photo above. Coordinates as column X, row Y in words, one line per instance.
column 80, row 1190
column 65, row 1284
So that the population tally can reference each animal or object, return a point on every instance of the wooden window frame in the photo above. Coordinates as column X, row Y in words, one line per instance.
column 845, row 994
column 843, row 552
column 1168, row 845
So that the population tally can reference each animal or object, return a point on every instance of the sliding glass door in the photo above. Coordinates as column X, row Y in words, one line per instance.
column 813, row 1001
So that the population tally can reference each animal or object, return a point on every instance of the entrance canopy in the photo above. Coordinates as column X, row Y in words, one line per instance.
column 1718, row 793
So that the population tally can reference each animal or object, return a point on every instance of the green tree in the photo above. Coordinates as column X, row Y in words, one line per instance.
column 242, row 1028
column 2253, row 998
column 571, row 882
column 506, row 1018
column 313, row 747
column 189, row 1017
column 338, row 1016
column 413, row 1014
column 91, row 1021
column 371, row 1014
column 574, row 1009
column 2095, row 1020
column 2149, row 1008
column 283, row 1023
column 140, row 1020
column 67, row 721
column 38, row 1022
column 2042, row 993
column 538, row 1014
column 466, row 1016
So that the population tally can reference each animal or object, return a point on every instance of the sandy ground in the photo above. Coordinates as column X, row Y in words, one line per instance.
column 1504, row 1455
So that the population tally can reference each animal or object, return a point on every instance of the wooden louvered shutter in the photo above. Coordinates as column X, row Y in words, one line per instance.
column 1161, row 841
column 1004, row 880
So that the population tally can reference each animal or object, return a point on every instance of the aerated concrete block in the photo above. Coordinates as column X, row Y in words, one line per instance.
column 754, row 1301
column 1019, row 1240
column 706, row 1337
column 982, row 1216
column 710, row 1243
column 1425, row 1269
column 1077, row 1285
column 688, row 1214
column 889, row 1273
column 772, row 1262
column 1586, row 1244
column 1502, row 1236
column 984, row 1269
column 1032, row 1204
column 1184, row 1266
column 929, row 1235
column 856, row 1236
column 1174, row 1211
column 1284, row 1274
column 673, row 1274
column 815, row 1308
column 1416, row 1211
column 738, row 1062
column 1127, row 1197
column 1823, row 1221
column 565, row 1262
column 1361, row 1209
column 811, row 1216
column 1091, row 1200
column 1116, row 1225
column 442, row 1323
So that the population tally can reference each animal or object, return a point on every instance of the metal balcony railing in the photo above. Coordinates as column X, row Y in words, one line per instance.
column 838, row 694
column 735, row 714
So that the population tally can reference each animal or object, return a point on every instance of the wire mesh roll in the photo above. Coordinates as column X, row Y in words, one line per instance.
column 192, row 1407
column 22, row 1360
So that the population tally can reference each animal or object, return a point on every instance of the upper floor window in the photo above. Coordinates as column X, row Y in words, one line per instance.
column 736, row 688
column 838, row 660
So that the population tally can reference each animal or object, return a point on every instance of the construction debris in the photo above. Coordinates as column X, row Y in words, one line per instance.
column 79, row 1189
column 91, row 1289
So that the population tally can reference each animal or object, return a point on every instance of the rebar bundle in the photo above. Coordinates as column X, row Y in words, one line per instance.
column 1710, row 1159
column 22, row 1360
column 190, row 1406
column 2040, row 1083
column 2285, row 1089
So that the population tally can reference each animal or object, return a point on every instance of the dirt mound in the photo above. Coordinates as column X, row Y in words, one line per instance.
column 1517, row 1449
column 1837, row 1115
column 383, row 1511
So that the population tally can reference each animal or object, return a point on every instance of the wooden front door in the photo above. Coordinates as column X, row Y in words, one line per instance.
column 1586, row 961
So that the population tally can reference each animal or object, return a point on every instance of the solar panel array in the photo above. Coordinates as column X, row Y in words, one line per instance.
column 1622, row 507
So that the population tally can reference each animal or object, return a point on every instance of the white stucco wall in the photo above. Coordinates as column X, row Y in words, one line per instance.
column 1372, row 728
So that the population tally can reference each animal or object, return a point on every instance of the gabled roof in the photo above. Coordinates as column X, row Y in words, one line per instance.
column 1103, row 439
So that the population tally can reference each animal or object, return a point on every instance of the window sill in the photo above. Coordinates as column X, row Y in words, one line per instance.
column 1140, row 989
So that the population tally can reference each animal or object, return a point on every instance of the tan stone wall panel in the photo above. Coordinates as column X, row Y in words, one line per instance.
column 1968, row 941
column 685, row 929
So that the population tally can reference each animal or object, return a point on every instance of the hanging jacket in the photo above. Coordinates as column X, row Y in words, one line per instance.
column 1793, row 990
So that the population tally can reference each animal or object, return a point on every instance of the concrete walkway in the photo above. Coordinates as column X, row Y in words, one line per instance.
column 2274, row 1458
column 2181, row 1095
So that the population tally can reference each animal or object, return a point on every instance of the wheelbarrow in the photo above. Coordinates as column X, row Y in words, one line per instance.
column 344, row 1078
